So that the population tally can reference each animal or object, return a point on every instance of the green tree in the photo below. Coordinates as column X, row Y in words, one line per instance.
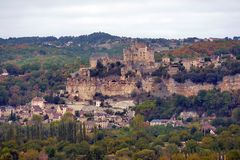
column 145, row 154
column 233, row 155
column 50, row 152
column 138, row 122
column 236, row 114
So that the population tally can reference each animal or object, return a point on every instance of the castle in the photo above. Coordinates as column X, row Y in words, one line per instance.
column 126, row 79
column 132, row 74
column 138, row 53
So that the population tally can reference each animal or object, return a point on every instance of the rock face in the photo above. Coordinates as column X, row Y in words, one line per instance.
column 87, row 88
column 229, row 83
column 187, row 89
column 113, row 86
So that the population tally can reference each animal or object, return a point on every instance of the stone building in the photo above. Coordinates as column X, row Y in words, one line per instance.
column 38, row 101
column 104, row 59
column 138, row 53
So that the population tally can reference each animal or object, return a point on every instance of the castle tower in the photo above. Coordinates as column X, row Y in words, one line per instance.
column 138, row 53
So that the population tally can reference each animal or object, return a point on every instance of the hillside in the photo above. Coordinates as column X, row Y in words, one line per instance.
column 205, row 48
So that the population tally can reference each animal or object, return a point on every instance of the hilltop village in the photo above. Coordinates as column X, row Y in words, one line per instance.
column 105, row 94
column 138, row 73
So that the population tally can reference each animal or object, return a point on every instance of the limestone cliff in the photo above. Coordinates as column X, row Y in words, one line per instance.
column 87, row 88
column 189, row 88
column 230, row 83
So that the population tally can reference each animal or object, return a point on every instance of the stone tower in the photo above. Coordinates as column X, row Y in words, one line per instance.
column 138, row 53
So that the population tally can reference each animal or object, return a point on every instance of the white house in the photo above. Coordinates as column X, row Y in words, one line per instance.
column 158, row 122
column 185, row 115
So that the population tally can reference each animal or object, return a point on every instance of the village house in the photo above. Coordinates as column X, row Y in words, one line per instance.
column 37, row 110
column 187, row 63
column 6, row 111
column 98, row 103
column 89, row 125
column 185, row 115
column 206, row 127
column 159, row 122
column 61, row 109
column 102, row 124
column 166, row 60
column 38, row 101
column 4, row 72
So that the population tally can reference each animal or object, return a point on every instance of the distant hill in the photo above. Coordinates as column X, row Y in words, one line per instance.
column 206, row 48
column 92, row 38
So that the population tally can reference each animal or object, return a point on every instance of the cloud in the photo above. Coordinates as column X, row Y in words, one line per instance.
column 135, row 18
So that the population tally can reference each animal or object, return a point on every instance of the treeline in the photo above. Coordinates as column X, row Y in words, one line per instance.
column 19, row 90
column 65, row 130
column 92, row 38
column 67, row 139
column 235, row 50
column 210, row 102
column 209, row 74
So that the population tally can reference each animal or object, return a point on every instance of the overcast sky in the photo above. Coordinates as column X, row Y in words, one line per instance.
column 132, row 18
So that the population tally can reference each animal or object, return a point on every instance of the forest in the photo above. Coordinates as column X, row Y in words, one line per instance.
column 69, row 139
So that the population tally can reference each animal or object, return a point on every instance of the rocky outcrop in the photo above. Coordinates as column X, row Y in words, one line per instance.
column 87, row 88
column 187, row 89
column 113, row 86
column 229, row 83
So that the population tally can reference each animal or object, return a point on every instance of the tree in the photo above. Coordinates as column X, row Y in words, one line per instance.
column 236, row 114
column 233, row 155
column 138, row 122
column 71, row 151
column 50, row 152
column 124, row 153
column 191, row 146
column 194, row 156
column 3, row 96
column 97, row 152
column 5, row 154
column 172, row 149
column 31, row 155
column 145, row 154
column 178, row 156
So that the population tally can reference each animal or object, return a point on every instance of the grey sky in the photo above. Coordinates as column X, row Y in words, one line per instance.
column 134, row 18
